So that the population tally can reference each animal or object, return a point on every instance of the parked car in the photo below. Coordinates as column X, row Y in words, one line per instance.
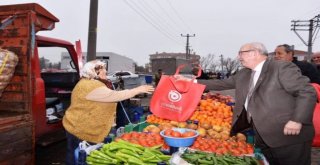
column 124, row 75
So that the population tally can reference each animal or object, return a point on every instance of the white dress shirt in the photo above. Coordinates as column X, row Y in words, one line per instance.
column 257, row 69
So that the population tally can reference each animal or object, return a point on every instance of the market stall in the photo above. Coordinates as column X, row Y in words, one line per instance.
column 204, row 138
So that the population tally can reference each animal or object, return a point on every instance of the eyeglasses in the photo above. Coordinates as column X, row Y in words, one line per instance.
column 245, row 51
column 97, row 68
column 316, row 58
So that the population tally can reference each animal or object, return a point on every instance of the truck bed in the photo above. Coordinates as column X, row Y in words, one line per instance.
column 16, row 130
column 10, row 115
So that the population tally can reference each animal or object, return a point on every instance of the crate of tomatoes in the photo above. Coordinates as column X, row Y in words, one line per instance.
column 142, row 138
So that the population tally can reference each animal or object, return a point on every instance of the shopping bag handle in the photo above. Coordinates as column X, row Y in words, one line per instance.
column 181, row 85
column 183, row 65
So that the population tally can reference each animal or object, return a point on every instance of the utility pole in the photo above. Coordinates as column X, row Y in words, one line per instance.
column 312, row 26
column 92, row 31
column 221, row 59
column 187, row 45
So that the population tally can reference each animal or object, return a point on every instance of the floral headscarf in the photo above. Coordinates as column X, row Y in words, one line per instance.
column 90, row 69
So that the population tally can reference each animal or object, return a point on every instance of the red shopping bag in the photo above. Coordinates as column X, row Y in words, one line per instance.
column 176, row 99
column 316, row 118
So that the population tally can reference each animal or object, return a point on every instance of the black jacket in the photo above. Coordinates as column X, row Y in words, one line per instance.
column 308, row 70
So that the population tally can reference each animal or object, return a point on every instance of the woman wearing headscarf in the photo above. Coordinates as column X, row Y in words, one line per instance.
column 93, row 107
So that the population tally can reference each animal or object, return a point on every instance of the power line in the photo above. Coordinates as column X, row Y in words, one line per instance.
column 147, row 19
column 149, row 8
column 308, row 13
column 178, row 15
column 312, row 26
column 167, row 14
column 146, row 15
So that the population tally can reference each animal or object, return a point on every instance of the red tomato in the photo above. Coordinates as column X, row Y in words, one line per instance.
column 196, row 144
column 175, row 134
column 213, row 148
column 250, row 149
column 135, row 134
column 134, row 141
column 235, row 152
column 168, row 132
column 165, row 146
column 126, row 136
column 152, row 143
column 157, row 137
column 202, row 148
column 188, row 134
column 143, row 143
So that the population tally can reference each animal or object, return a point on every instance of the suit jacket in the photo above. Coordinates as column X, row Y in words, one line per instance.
column 280, row 94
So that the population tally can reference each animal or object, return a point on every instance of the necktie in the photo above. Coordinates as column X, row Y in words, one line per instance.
column 251, row 87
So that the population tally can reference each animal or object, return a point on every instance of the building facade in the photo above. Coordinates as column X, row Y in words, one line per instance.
column 169, row 62
column 115, row 62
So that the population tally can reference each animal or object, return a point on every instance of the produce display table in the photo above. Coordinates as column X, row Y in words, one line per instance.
column 213, row 144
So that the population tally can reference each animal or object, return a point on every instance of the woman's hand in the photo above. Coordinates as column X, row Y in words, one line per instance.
column 145, row 89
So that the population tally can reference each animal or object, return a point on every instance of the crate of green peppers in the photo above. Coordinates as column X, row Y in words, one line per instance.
column 203, row 158
column 125, row 153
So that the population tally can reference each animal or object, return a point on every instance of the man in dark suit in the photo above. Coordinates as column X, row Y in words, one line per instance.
column 279, row 107
column 286, row 52
column 316, row 60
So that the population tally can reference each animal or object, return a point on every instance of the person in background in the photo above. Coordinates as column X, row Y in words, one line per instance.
column 219, row 76
column 286, row 52
column 228, row 74
column 158, row 77
column 278, row 105
column 93, row 106
column 120, row 82
column 316, row 60
column 202, row 76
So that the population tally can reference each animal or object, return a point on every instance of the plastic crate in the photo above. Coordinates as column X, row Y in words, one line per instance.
column 138, row 127
column 83, row 155
column 148, row 79
column 135, row 127
column 250, row 136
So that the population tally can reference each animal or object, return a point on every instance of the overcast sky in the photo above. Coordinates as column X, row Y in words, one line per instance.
column 138, row 28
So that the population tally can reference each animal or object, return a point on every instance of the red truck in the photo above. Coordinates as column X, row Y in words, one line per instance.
column 33, row 103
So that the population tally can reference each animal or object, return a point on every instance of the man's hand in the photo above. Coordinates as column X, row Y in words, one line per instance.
column 180, row 77
column 292, row 128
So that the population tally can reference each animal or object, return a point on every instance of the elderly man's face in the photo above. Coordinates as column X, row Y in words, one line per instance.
column 246, row 56
column 316, row 58
column 281, row 54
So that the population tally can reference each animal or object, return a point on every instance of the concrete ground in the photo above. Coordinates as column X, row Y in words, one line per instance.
column 54, row 154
